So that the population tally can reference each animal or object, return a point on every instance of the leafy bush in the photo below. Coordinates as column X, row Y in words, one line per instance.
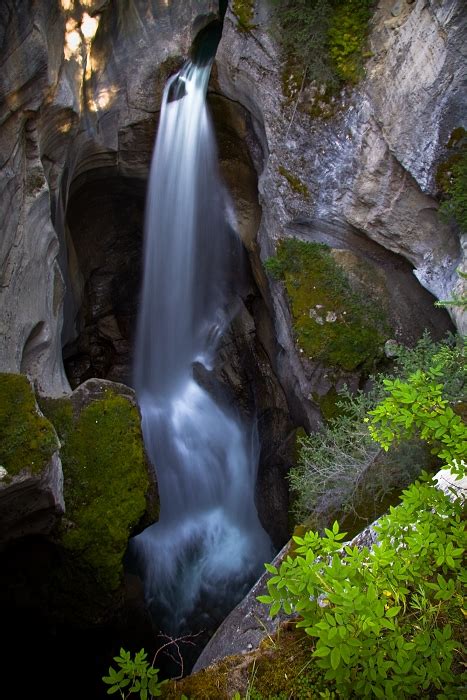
column 342, row 469
column 323, row 39
column 134, row 676
column 387, row 621
column 416, row 406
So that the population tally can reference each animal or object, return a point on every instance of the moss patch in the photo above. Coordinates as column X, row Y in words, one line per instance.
column 105, row 481
column 295, row 183
column 27, row 440
column 333, row 323
column 328, row 404
column 457, row 146
column 244, row 11
column 280, row 669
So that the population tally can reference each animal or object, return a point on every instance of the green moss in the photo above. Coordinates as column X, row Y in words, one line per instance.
column 105, row 481
column 457, row 136
column 212, row 683
column 295, row 183
column 333, row 323
column 244, row 11
column 328, row 403
column 27, row 440
column 457, row 145
column 280, row 669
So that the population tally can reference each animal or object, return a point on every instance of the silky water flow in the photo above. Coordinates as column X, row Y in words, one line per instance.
column 208, row 546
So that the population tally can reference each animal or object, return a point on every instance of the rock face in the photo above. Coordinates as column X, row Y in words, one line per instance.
column 81, row 89
column 369, row 171
column 67, row 110
column 31, row 504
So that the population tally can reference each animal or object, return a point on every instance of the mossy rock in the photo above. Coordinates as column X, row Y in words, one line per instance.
column 334, row 323
column 27, row 439
column 281, row 668
column 328, row 403
column 295, row 183
column 244, row 11
column 106, row 482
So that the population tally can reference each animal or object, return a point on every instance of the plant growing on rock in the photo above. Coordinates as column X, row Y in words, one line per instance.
column 135, row 676
column 27, row 439
column 342, row 469
column 387, row 621
column 244, row 11
column 455, row 203
column 332, row 322
column 323, row 40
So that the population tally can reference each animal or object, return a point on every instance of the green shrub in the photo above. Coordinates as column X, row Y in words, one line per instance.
column 134, row 676
column 342, row 469
column 454, row 185
column 388, row 621
column 347, row 37
column 323, row 39
column 417, row 407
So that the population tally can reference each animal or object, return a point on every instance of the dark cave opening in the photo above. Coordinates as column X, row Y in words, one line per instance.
column 105, row 219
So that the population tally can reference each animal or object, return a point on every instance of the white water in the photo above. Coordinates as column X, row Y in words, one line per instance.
column 208, row 545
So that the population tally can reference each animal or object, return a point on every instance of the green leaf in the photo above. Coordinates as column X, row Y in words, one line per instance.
column 392, row 612
column 335, row 657
column 275, row 608
column 322, row 651
column 265, row 599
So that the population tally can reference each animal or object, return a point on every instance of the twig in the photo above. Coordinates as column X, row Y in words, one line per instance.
column 186, row 639
column 296, row 102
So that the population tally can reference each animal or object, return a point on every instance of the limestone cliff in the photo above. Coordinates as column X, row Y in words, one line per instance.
column 366, row 174
column 79, row 91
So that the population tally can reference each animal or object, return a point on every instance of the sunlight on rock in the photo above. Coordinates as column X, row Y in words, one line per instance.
column 103, row 99
column 89, row 26
column 73, row 40
column 65, row 128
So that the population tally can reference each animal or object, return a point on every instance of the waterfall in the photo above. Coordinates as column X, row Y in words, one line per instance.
column 208, row 547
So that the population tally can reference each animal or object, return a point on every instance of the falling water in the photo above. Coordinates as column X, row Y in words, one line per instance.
column 208, row 545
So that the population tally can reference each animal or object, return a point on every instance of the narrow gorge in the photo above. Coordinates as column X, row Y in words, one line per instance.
column 221, row 221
